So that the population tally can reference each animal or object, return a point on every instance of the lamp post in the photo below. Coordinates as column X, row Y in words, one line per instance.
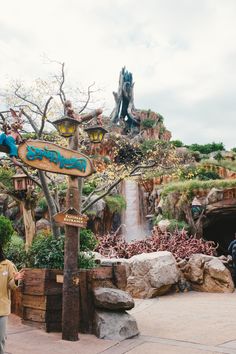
column 67, row 127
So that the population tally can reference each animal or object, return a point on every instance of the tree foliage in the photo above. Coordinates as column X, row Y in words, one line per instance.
column 207, row 148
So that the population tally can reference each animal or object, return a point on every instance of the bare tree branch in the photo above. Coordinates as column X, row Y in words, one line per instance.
column 113, row 185
column 61, row 81
column 44, row 116
column 88, row 98
column 30, row 119
column 30, row 177
column 102, row 195
column 27, row 100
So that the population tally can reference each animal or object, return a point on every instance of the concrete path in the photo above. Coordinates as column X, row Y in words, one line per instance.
column 184, row 323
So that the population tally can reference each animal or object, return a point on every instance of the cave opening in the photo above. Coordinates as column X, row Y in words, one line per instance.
column 220, row 228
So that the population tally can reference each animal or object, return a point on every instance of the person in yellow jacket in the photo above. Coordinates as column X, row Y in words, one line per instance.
column 8, row 276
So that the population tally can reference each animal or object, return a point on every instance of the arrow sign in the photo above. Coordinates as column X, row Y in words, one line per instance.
column 71, row 217
column 50, row 157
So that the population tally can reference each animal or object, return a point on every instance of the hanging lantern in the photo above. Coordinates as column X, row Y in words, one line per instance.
column 66, row 126
column 96, row 133
column 22, row 182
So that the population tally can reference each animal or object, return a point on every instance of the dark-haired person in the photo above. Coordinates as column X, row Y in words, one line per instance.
column 232, row 252
column 8, row 276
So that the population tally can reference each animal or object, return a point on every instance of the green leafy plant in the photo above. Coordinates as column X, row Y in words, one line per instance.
column 148, row 145
column 6, row 177
column 177, row 224
column 15, row 251
column 89, row 187
column 88, row 240
column 115, row 203
column 42, row 203
column 86, row 260
column 177, row 143
column 47, row 251
column 148, row 123
column 207, row 148
column 6, row 230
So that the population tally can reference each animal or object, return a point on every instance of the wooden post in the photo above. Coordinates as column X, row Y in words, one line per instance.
column 70, row 309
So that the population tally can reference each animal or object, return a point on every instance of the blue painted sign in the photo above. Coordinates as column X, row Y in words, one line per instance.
column 50, row 157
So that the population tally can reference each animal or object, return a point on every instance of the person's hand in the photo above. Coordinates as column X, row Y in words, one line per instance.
column 19, row 275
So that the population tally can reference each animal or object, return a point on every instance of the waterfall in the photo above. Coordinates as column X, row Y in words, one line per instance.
column 134, row 228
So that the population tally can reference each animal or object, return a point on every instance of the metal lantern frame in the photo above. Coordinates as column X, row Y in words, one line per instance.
column 66, row 126
column 96, row 133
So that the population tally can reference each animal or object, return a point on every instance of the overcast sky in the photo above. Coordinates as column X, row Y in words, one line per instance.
column 182, row 54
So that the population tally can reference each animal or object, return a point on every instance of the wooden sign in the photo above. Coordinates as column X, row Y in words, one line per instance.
column 71, row 217
column 50, row 157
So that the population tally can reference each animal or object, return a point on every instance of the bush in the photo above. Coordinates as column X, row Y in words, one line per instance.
column 6, row 177
column 115, row 203
column 148, row 123
column 89, row 187
column 177, row 143
column 88, row 240
column 207, row 148
column 42, row 203
column 15, row 251
column 48, row 252
column 86, row 260
column 176, row 224
column 179, row 243
column 6, row 230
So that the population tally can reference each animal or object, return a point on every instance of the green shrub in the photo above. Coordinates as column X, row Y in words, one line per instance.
column 148, row 145
column 148, row 123
column 15, row 251
column 6, row 177
column 88, row 240
column 89, row 187
column 177, row 143
column 42, row 203
column 86, row 260
column 176, row 224
column 48, row 252
column 115, row 203
column 207, row 148
column 6, row 230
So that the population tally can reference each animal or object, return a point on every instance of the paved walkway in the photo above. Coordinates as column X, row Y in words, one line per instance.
column 184, row 323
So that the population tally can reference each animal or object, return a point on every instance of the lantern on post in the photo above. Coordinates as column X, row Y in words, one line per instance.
column 66, row 126
column 22, row 182
column 96, row 133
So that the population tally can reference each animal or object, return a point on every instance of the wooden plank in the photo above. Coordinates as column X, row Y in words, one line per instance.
column 86, row 302
column 37, row 315
column 102, row 273
column 34, row 315
column 41, row 282
column 35, row 301
column 50, row 157
column 73, row 219
column 16, row 302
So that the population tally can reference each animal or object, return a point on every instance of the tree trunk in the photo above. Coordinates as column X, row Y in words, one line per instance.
column 51, row 204
column 29, row 223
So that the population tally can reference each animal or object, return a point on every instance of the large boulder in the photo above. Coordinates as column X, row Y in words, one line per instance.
column 208, row 274
column 152, row 274
column 112, row 299
column 43, row 225
column 114, row 325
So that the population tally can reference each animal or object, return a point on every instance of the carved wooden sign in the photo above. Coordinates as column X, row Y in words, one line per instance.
column 50, row 157
column 71, row 217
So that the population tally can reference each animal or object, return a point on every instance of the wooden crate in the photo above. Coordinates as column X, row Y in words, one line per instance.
column 42, row 299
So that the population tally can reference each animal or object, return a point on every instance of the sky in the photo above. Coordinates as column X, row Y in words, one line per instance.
column 182, row 54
